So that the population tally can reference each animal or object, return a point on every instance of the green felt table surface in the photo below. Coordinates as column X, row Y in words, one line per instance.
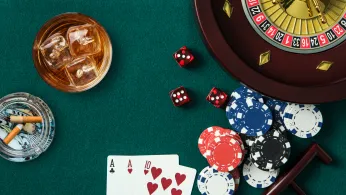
column 130, row 112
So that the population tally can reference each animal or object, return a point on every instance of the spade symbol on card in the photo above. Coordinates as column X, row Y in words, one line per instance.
column 112, row 170
column 129, row 167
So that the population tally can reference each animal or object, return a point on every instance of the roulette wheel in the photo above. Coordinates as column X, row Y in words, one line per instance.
column 287, row 49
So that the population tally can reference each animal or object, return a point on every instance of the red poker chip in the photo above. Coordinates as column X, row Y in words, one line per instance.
column 228, row 132
column 204, row 138
column 236, row 176
column 234, row 135
column 224, row 153
column 219, row 132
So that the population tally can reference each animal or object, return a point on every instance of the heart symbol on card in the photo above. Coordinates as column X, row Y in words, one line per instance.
column 155, row 172
column 165, row 183
column 152, row 187
column 180, row 178
column 146, row 172
column 129, row 170
column 176, row 192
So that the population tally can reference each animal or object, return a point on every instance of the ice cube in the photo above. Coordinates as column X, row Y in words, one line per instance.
column 55, row 51
column 83, row 40
column 82, row 70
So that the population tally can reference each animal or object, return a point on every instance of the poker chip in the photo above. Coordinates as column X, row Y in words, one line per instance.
column 212, row 182
column 234, row 135
column 258, row 129
column 249, row 117
column 203, row 138
column 258, row 178
column 223, row 132
column 270, row 151
column 303, row 120
column 201, row 176
column 244, row 92
column 224, row 153
column 231, row 133
column 232, row 109
column 276, row 106
column 236, row 176
column 230, row 112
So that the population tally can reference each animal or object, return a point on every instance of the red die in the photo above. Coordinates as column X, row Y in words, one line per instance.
column 179, row 96
column 183, row 56
column 217, row 97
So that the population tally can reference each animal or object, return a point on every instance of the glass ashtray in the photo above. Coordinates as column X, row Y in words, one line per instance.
column 72, row 52
column 25, row 147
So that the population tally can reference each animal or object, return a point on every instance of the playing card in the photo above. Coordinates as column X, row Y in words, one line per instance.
column 183, row 180
column 124, row 173
column 175, row 180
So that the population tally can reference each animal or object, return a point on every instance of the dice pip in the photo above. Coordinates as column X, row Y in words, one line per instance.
column 217, row 97
column 179, row 96
column 183, row 56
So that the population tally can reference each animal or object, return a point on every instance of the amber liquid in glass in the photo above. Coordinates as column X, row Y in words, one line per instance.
column 72, row 52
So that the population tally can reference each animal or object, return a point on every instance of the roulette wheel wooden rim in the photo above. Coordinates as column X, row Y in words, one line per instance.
column 234, row 65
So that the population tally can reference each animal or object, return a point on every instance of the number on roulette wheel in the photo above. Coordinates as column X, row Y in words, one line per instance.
column 287, row 49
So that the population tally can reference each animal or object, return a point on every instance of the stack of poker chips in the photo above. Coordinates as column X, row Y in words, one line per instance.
column 224, row 151
column 261, row 123
column 223, row 148
column 251, row 114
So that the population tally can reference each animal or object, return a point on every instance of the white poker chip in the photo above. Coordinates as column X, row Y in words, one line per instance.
column 212, row 182
column 303, row 120
column 201, row 175
column 258, row 178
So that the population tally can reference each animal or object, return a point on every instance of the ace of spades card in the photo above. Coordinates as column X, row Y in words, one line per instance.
column 126, row 173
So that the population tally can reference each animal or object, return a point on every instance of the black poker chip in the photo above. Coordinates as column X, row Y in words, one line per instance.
column 270, row 151
column 250, row 140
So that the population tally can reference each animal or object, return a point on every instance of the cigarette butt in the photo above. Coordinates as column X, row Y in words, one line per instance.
column 25, row 119
column 13, row 134
column 30, row 128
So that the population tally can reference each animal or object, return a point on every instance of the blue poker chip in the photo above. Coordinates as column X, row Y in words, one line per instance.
column 250, row 117
column 231, row 109
column 276, row 106
column 258, row 178
column 243, row 92
column 229, row 113
column 211, row 182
